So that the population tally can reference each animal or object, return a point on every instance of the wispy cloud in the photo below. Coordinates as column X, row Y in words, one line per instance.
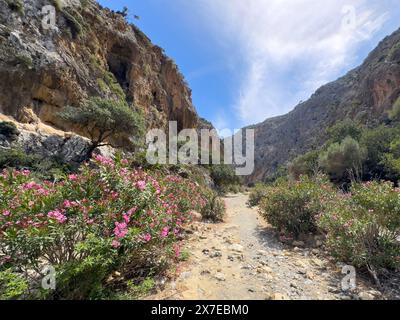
column 288, row 48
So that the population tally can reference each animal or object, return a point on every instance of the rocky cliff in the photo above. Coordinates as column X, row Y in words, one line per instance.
column 89, row 51
column 365, row 94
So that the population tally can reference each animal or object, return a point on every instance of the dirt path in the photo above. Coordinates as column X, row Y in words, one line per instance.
column 241, row 259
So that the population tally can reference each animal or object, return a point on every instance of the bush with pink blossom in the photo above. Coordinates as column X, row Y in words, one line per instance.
column 363, row 227
column 91, row 223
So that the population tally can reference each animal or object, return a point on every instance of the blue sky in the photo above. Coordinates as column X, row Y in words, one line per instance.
column 247, row 60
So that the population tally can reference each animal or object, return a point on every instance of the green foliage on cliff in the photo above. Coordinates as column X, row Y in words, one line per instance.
column 8, row 129
column 104, row 119
column 16, row 5
column 394, row 114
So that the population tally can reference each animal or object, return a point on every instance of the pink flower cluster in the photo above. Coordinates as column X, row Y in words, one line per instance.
column 104, row 161
column 141, row 185
column 165, row 232
column 58, row 216
column 146, row 237
column 108, row 199
column 120, row 230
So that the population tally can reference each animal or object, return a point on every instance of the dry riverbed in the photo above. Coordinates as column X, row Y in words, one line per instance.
column 242, row 259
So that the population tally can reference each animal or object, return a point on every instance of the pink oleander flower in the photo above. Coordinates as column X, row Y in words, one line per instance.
column 25, row 173
column 131, row 211
column 73, row 177
column 120, row 230
column 6, row 213
column 104, row 160
column 165, row 232
column 147, row 237
column 30, row 185
column 114, row 195
column 43, row 192
column 57, row 215
column 124, row 161
column 67, row 204
column 177, row 250
column 124, row 172
column 116, row 244
column 141, row 185
column 127, row 218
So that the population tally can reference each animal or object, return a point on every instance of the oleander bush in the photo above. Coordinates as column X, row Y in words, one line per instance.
column 293, row 206
column 105, row 218
column 257, row 193
column 363, row 226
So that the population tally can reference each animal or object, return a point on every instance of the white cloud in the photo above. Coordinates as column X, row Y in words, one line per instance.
column 289, row 47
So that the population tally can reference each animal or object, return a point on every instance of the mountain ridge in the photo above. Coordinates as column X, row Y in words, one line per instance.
column 364, row 94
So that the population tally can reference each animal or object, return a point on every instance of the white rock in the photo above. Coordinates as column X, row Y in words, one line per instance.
column 220, row 276
column 237, row 248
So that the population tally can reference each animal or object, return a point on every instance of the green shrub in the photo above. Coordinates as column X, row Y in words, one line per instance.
column 16, row 5
column 57, row 4
column 377, row 143
column 135, row 291
column 43, row 168
column 15, row 158
column 229, row 188
column 363, row 227
column 82, row 279
column 394, row 114
column 343, row 161
column 12, row 285
column 114, row 86
column 74, row 22
column 293, row 206
column 234, row 188
column 306, row 164
column 24, row 60
column 102, row 85
column 344, row 129
column 8, row 129
column 224, row 176
column 257, row 193
column 214, row 209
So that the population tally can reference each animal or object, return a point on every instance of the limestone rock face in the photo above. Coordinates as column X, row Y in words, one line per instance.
column 47, row 142
column 71, row 149
column 364, row 94
column 90, row 51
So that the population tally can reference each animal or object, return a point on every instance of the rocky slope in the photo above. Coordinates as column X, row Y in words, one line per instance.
column 91, row 51
column 364, row 94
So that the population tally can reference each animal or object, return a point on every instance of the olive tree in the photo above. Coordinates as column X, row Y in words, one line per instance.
column 103, row 119
column 344, row 160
